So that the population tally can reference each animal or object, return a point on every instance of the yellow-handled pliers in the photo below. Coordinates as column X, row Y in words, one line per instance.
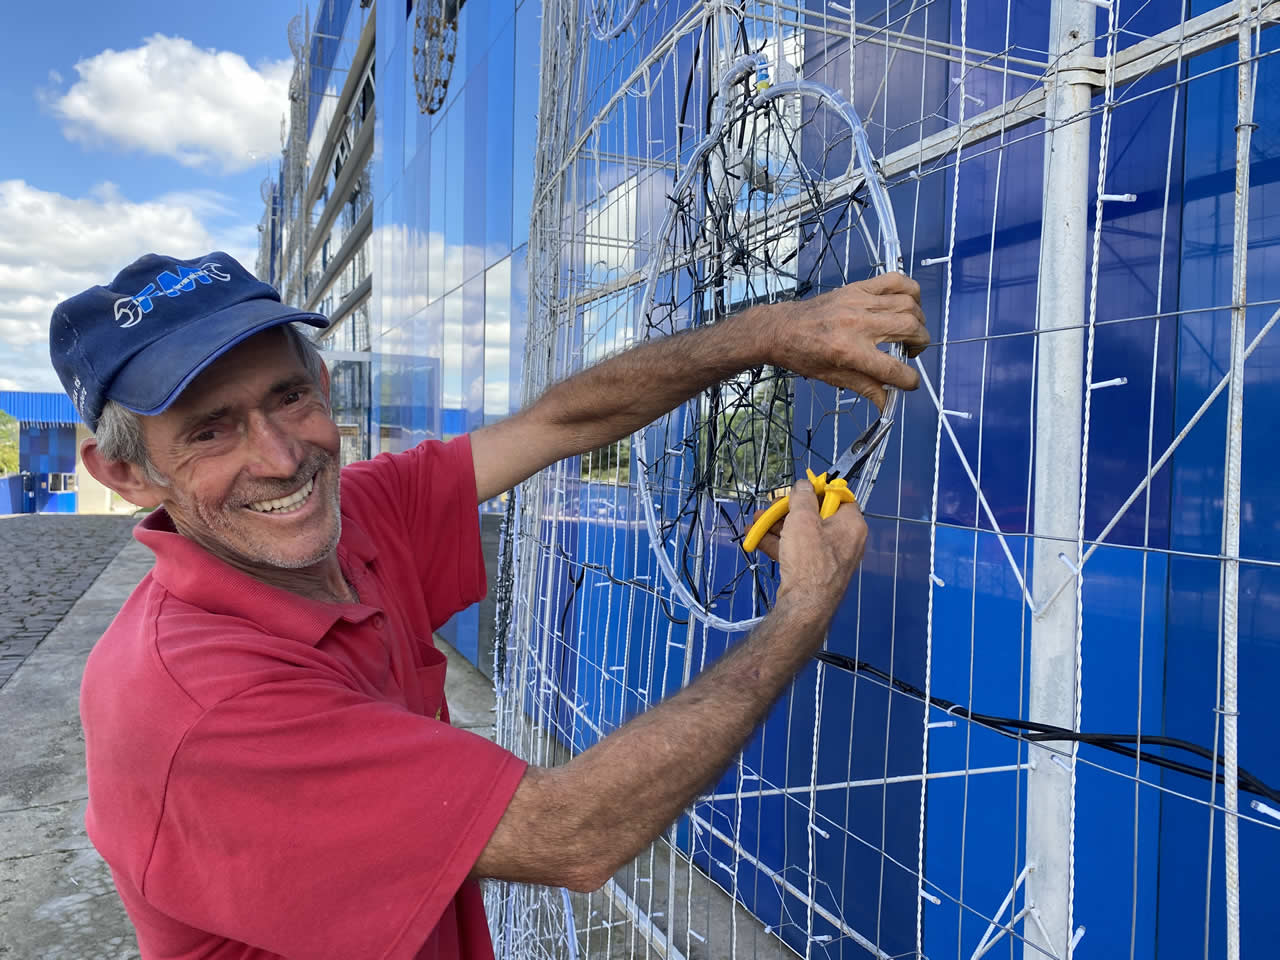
column 832, row 485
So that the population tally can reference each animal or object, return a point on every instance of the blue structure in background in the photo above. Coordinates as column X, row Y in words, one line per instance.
column 46, row 453
column 453, row 193
column 452, row 197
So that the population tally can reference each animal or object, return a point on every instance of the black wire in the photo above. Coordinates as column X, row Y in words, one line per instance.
column 1032, row 731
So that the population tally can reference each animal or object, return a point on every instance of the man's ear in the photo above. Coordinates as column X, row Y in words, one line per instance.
column 127, row 479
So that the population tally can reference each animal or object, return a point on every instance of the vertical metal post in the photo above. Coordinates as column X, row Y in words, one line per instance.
column 1059, row 393
column 1231, row 485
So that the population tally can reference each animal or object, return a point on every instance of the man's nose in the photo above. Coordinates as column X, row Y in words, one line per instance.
column 274, row 453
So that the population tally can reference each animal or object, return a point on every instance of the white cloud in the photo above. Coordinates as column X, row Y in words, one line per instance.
column 53, row 246
column 207, row 109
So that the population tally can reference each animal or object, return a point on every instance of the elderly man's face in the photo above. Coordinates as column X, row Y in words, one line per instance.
column 251, row 455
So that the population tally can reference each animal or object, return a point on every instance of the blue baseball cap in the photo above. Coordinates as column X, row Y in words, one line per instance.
column 144, row 337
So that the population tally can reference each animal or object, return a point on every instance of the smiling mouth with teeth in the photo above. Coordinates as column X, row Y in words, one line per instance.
column 288, row 504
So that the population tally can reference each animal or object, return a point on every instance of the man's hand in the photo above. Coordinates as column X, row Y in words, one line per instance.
column 577, row 824
column 834, row 337
column 817, row 557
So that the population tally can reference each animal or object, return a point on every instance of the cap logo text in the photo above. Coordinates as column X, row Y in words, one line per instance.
column 129, row 311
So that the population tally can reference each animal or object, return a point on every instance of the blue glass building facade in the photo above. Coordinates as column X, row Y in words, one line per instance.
column 453, row 190
column 452, row 195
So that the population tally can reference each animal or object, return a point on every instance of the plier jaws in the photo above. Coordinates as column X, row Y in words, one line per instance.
column 832, row 485
column 855, row 458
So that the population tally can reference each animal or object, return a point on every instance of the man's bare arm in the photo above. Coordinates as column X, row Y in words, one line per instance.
column 833, row 337
column 575, row 825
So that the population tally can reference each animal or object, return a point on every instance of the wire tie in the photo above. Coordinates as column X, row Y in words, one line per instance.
column 937, row 580
column 954, row 706
column 819, row 831
column 962, row 414
column 1060, row 762
column 930, row 261
column 978, row 100
column 1119, row 197
column 1068, row 564
column 1261, row 807
column 821, row 938
column 941, row 723
column 1076, row 938
column 1103, row 384
column 696, row 935
column 930, row 897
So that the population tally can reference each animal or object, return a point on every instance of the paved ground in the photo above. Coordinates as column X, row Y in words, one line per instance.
column 49, row 561
column 56, row 897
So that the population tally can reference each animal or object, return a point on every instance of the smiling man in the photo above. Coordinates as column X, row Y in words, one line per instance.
column 272, row 772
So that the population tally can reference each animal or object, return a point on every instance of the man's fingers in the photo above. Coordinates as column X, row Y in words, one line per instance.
column 892, row 283
column 804, row 500
column 879, row 365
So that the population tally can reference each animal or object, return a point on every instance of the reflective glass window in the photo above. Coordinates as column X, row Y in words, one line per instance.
column 497, row 341
column 499, row 154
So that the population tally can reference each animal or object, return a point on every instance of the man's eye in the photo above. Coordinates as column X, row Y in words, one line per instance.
column 204, row 436
column 293, row 396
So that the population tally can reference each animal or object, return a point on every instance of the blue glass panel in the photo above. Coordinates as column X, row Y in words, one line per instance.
column 499, row 154
column 453, row 396
column 497, row 341
column 436, row 186
column 454, row 197
column 525, row 116
column 473, row 146
column 473, row 327
column 519, row 319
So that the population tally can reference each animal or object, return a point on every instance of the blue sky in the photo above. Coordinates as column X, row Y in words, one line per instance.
column 128, row 127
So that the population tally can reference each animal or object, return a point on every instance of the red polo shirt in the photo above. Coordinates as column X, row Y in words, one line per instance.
column 271, row 776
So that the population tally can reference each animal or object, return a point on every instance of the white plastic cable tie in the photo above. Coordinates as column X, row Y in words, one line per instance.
column 1264, row 808
column 1119, row 197
column 1116, row 382
column 930, row 897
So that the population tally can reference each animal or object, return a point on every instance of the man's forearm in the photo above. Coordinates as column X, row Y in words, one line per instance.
column 614, row 398
column 584, row 820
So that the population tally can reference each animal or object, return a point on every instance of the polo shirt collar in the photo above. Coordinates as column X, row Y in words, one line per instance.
column 194, row 575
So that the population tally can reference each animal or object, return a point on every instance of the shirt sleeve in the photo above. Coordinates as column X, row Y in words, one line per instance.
column 434, row 486
column 305, row 819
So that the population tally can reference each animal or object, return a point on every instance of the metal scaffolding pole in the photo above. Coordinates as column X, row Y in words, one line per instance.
column 1229, row 706
column 1058, row 423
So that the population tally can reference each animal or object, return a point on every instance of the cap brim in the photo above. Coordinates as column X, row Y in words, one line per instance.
column 155, row 377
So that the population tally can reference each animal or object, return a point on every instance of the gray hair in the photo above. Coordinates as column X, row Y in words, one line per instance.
column 119, row 432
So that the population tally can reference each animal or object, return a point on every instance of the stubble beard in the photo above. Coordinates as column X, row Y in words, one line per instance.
column 230, row 533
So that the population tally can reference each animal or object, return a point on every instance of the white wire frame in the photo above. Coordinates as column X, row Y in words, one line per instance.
column 594, row 634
